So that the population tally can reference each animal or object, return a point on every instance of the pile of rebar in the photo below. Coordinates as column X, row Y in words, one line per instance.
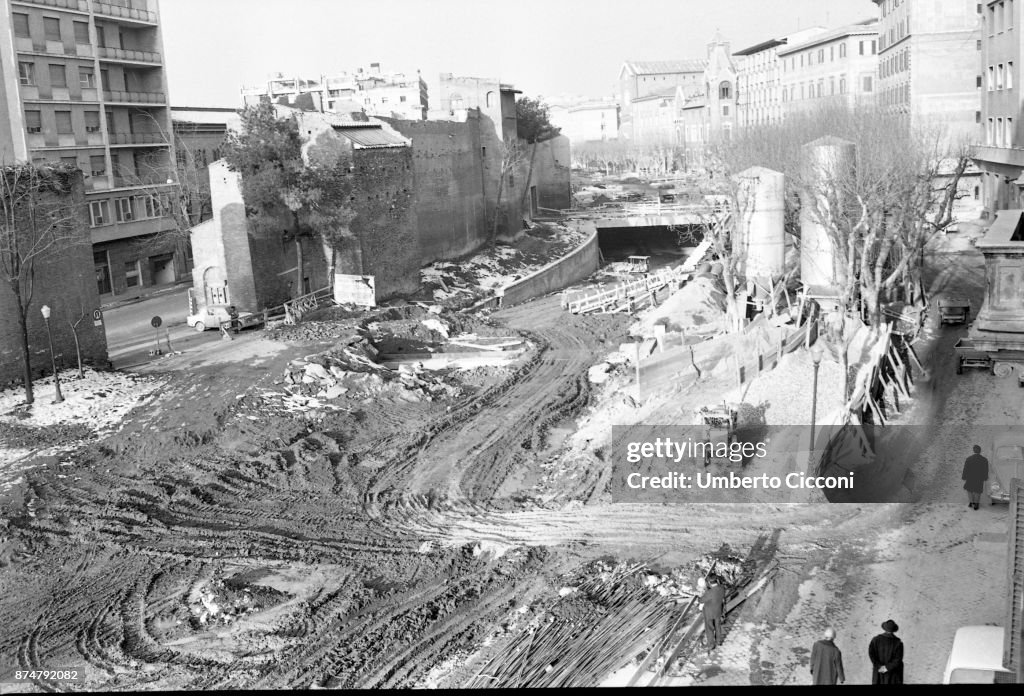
column 574, row 648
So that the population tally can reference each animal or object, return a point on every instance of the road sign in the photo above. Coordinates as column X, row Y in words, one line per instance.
column 97, row 317
column 156, row 322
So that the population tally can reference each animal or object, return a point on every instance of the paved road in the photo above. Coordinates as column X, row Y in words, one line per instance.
column 130, row 335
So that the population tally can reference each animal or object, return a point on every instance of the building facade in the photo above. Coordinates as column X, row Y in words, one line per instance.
column 928, row 63
column 82, row 82
column 641, row 81
column 586, row 120
column 1000, row 150
column 708, row 115
column 758, row 79
column 836, row 66
column 394, row 95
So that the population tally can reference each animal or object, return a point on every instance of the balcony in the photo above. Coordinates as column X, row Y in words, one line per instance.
column 1008, row 156
column 129, row 139
column 76, row 5
column 148, row 181
column 127, row 14
column 135, row 97
column 108, row 53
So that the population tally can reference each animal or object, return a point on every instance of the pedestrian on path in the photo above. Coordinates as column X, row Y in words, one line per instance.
column 975, row 475
column 886, row 653
column 713, row 604
column 827, row 661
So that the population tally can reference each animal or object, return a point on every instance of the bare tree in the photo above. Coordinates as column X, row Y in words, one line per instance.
column 511, row 156
column 41, row 219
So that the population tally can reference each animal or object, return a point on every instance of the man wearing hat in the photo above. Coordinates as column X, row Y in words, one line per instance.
column 886, row 653
column 975, row 475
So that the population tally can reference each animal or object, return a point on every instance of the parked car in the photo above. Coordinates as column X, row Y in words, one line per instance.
column 977, row 657
column 211, row 317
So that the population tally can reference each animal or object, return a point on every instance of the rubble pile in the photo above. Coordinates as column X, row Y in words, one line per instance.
column 224, row 601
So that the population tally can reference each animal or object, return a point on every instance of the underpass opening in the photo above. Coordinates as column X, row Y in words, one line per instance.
column 666, row 245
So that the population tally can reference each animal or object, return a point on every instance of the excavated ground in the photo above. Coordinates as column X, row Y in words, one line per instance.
column 289, row 526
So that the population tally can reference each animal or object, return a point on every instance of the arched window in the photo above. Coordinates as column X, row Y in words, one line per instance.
column 725, row 90
column 490, row 99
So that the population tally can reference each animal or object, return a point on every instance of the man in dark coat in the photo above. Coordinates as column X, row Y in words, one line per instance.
column 975, row 475
column 827, row 661
column 886, row 653
column 713, row 604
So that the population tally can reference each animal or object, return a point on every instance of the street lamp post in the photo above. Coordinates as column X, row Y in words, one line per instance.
column 53, row 361
column 817, row 352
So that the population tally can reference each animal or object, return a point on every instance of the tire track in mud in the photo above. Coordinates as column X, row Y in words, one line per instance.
column 469, row 454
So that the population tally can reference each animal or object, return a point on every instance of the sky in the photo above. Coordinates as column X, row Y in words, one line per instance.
column 546, row 48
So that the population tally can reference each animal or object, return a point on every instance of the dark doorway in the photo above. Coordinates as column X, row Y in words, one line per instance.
column 102, row 265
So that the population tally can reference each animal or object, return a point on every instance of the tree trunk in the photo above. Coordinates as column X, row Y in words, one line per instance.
column 78, row 348
column 299, row 289
column 25, row 355
column 497, row 211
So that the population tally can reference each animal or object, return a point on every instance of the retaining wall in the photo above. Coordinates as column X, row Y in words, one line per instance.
column 571, row 268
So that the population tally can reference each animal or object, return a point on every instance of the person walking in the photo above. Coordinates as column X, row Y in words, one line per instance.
column 827, row 661
column 713, row 604
column 886, row 653
column 975, row 475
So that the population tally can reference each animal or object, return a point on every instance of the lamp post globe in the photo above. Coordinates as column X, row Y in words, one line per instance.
column 58, row 397
column 817, row 353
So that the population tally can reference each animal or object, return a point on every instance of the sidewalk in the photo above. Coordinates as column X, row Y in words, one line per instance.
column 139, row 294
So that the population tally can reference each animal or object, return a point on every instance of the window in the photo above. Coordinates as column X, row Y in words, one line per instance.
column 58, row 76
column 725, row 90
column 82, row 33
column 988, row 132
column 69, row 161
column 999, row 76
column 977, row 81
column 63, row 122
column 831, row 53
column 92, row 121
column 51, row 28
column 978, row 46
column 101, row 36
column 874, row 45
column 98, row 165
column 33, row 121
column 821, row 55
column 1009, row 76
column 842, row 50
column 366, row 101
column 86, row 78
column 27, row 73
column 821, row 88
column 725, row 109
column 832, row 85
column 999, row 132
column 131, row 274
column 861, row 47
column 842, row 85
column 156, row 206
column 99, row 213
column 401, row 98
column 104, row 78
column 216, row 154
column 991, row 78
column 866, row 85
column 977, row 117
column 1008, row 140
column 123, row 209
column 21, row 25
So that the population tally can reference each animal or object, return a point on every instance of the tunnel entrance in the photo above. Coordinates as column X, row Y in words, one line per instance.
column 667, row 245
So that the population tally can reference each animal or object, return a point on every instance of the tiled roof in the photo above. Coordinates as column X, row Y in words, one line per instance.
column 660, row 67
column 371, row 136
column 848, row 30
column 662, row 94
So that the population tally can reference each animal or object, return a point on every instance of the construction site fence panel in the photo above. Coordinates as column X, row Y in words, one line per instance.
column 571, row 268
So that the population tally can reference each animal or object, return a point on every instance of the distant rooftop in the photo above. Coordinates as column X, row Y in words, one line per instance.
column 661, row 67
column 865, row 27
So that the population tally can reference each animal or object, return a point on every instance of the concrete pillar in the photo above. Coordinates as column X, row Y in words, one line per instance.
column 826, row 161
column 762, row 223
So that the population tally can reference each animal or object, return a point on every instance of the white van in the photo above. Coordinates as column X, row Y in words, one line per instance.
column 977, row 657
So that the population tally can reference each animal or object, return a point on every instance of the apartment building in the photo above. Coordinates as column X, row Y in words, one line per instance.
column 586, row 120
column 393, row 95
column 82, row 82
column 839, row 65
column 1000, row 155
column 640, row 82
column 928, row 63
column 758, row 79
